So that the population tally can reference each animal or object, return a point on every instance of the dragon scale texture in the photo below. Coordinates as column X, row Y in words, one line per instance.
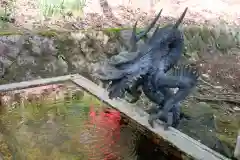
column 151, row 66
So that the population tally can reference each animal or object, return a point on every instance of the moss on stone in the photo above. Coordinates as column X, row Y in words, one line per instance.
column 200, row 38
column 48, row 33
column 197, row 38
column 8, row 33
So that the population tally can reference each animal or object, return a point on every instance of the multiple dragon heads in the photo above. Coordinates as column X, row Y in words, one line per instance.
column 152, row 69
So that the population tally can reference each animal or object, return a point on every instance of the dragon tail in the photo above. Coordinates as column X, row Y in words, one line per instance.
column 179, row 21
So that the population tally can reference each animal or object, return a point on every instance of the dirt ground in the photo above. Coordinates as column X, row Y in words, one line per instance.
column 117, row 13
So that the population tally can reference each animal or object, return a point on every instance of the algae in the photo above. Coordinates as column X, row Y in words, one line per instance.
column 48, row 33
column 29, row 121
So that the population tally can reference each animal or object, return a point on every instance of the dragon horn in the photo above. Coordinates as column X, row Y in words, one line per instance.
column 150, row 26
column 153, row 22
column 155, row 31
column 180, row 19
column 133, row 39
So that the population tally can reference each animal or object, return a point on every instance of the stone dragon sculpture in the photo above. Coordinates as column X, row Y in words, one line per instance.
column 153, row 67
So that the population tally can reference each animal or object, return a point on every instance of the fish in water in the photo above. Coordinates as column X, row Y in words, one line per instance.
column 106, row 124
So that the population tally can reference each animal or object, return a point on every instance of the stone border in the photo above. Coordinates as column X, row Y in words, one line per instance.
column 181, row 141
column 35, row 83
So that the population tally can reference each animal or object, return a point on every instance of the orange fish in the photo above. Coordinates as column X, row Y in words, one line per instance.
column 107, row 125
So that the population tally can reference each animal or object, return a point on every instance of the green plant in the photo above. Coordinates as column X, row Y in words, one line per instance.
column 6, row 10
column 51, row 8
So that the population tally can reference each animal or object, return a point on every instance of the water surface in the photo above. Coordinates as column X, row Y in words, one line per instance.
column 53, row 122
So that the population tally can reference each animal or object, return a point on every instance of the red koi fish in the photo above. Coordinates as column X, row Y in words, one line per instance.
column 107, row 126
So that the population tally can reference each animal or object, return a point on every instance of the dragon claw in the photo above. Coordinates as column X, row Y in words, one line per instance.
column 153, row 117
column 150, row 121
column 167, row 119
column 153, row 109
column 169, row 122
column 131, row 100
column 166, row 125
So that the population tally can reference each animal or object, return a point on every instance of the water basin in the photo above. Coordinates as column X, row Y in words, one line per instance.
column 54, row 122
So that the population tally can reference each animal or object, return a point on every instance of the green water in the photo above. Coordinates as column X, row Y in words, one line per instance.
column 53, row 124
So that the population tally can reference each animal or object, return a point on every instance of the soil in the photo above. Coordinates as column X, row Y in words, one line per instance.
column 109, row 13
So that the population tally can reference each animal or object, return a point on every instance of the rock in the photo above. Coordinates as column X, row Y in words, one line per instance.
column 26, row 60
column 5, row 61
column 126, row 34
column 78, row 36
column 10, row 46
column 35, row 44
column 3, row 49
column 48, row 47
column 33, row 56
column 105, row 39
column 236, row 108
column 39, row 56
column 62, row 66
column 205, row 75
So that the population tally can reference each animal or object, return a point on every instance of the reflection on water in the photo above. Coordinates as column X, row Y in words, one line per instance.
column 53, row 122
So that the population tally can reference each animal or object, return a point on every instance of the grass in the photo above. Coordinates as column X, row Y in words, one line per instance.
column 6, row 9
column 50, row 8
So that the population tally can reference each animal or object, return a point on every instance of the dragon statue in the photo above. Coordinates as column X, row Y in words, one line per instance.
column 152, row 66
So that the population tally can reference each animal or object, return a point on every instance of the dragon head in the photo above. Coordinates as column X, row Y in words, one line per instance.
column 168, row 33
